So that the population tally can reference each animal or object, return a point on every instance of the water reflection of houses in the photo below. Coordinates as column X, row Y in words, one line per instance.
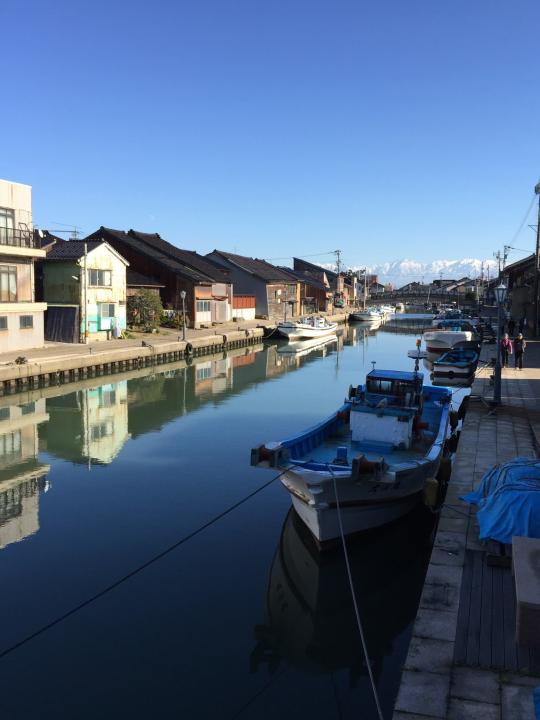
column 88, row 425
column 21, row 474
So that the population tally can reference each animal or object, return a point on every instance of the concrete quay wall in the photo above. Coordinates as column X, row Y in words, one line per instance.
column 90, row 362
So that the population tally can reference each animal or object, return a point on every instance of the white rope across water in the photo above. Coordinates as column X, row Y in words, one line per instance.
column 355, row 604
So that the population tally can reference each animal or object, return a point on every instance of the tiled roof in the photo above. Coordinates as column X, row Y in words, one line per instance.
column 135, row 279
column 305, row 277
column 147, row 250
column 184, row 262
column 259, row 268
column 330, row 274
column 188, row 257
column 47, row 239
column 71, row 249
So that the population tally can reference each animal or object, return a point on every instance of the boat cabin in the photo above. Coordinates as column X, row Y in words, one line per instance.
column 456, row 326
column 387, row 408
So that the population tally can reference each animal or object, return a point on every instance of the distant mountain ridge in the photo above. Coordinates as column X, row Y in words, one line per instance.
column 400, row 272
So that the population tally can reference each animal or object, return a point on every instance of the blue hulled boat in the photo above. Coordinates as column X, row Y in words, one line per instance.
column 380, row 447
column 456, row 366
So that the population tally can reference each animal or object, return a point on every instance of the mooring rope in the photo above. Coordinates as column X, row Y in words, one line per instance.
column 136, row 570
column 355, row 603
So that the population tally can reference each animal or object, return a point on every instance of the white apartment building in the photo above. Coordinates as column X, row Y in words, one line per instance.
column 21, row 318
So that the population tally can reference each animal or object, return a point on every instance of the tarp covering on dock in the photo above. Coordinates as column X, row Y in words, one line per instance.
column 508, row 501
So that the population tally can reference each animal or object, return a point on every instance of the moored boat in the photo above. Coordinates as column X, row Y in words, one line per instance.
column 447, row 335
column 456, row 365
column 308, row 327
column 366, row 316
column 376, row 452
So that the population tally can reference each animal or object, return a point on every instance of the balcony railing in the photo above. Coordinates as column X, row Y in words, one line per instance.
column 17, row 238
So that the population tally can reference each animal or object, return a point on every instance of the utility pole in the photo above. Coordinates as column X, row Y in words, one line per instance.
column 85, row 287
column 498, row 257
column 537, row 269
column 338, row 261
column 365, row 286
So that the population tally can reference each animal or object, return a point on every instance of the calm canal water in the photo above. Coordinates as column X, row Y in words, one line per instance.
column 245, row 620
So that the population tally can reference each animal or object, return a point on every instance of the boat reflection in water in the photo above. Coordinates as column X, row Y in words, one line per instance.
column 305, row 347
column 310, row 622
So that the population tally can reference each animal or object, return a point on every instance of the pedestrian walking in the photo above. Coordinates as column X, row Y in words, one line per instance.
column 519, row 349
column 522, row 324
column 511, row 326
column 506, row 349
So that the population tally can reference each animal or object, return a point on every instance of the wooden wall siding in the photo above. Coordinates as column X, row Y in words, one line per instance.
column 278, row 295
column 241, row 302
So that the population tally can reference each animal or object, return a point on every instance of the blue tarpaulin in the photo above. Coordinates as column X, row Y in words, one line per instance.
column 508, row 500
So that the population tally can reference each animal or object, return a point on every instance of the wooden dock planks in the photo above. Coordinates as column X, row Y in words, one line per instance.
column 485, row 635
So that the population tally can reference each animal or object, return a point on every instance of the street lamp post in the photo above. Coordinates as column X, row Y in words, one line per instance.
column 183, row 296
column 500, row 296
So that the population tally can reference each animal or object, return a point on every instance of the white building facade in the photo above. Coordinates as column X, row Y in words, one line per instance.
column 21, row 318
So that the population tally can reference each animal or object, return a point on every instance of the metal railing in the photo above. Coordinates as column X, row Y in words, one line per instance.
column 17, row 238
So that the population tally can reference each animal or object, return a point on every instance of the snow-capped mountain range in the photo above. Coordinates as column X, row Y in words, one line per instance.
column 400, row 272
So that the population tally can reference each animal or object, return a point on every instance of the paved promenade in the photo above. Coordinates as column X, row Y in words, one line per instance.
column 434, row 684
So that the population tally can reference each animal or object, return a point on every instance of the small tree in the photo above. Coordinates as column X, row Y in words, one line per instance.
column 144, row 309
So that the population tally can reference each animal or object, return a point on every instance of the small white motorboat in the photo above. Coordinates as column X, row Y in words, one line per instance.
column 307, row 328
column 441, row 341
column 371, row 317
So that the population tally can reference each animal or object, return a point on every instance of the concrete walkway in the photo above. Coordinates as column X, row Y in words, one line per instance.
column 432, row 686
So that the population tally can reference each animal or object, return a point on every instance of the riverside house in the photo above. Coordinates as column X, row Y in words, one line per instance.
column 21, row 318
column 80, row 307
column 208, row 288
column 276, row 292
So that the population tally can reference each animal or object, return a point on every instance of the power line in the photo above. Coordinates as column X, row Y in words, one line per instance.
column 300, row 257
column 135, row 571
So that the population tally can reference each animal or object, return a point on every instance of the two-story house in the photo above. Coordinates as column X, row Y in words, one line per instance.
column 21, row 318
column 205, row 287
column 84, row 285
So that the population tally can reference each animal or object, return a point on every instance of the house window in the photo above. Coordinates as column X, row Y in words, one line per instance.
column 26, row 322
column 99, row 278
column 7, row 223
column 107, row 398
column 5, row 413
column 8, row 283
column 102, row 430
column 28, row 408
column 10, row 445
column 106, row 310
column 3, row 322
column 203, row 305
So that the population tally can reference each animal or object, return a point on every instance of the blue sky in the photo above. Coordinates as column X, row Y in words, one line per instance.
column 387, row 129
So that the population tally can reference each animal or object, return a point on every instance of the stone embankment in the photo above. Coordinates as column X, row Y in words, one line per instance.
column 92, row 361
column 463, row 660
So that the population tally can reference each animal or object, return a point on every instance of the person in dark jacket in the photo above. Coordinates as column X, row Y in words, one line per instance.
column 506, row 349
column 511, row 326
column 519, row 348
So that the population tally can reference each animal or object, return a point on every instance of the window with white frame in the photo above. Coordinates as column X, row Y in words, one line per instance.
column 26, row 322
column 3, row 322
column 7, row 218
column 99, row 278
column 8, row 283
column 106, row 310
column 203, row 306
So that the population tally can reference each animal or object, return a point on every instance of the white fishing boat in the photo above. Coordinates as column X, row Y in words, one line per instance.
column 372, row 316
column 308, row 328
column 441, row 341
column 373, row 456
